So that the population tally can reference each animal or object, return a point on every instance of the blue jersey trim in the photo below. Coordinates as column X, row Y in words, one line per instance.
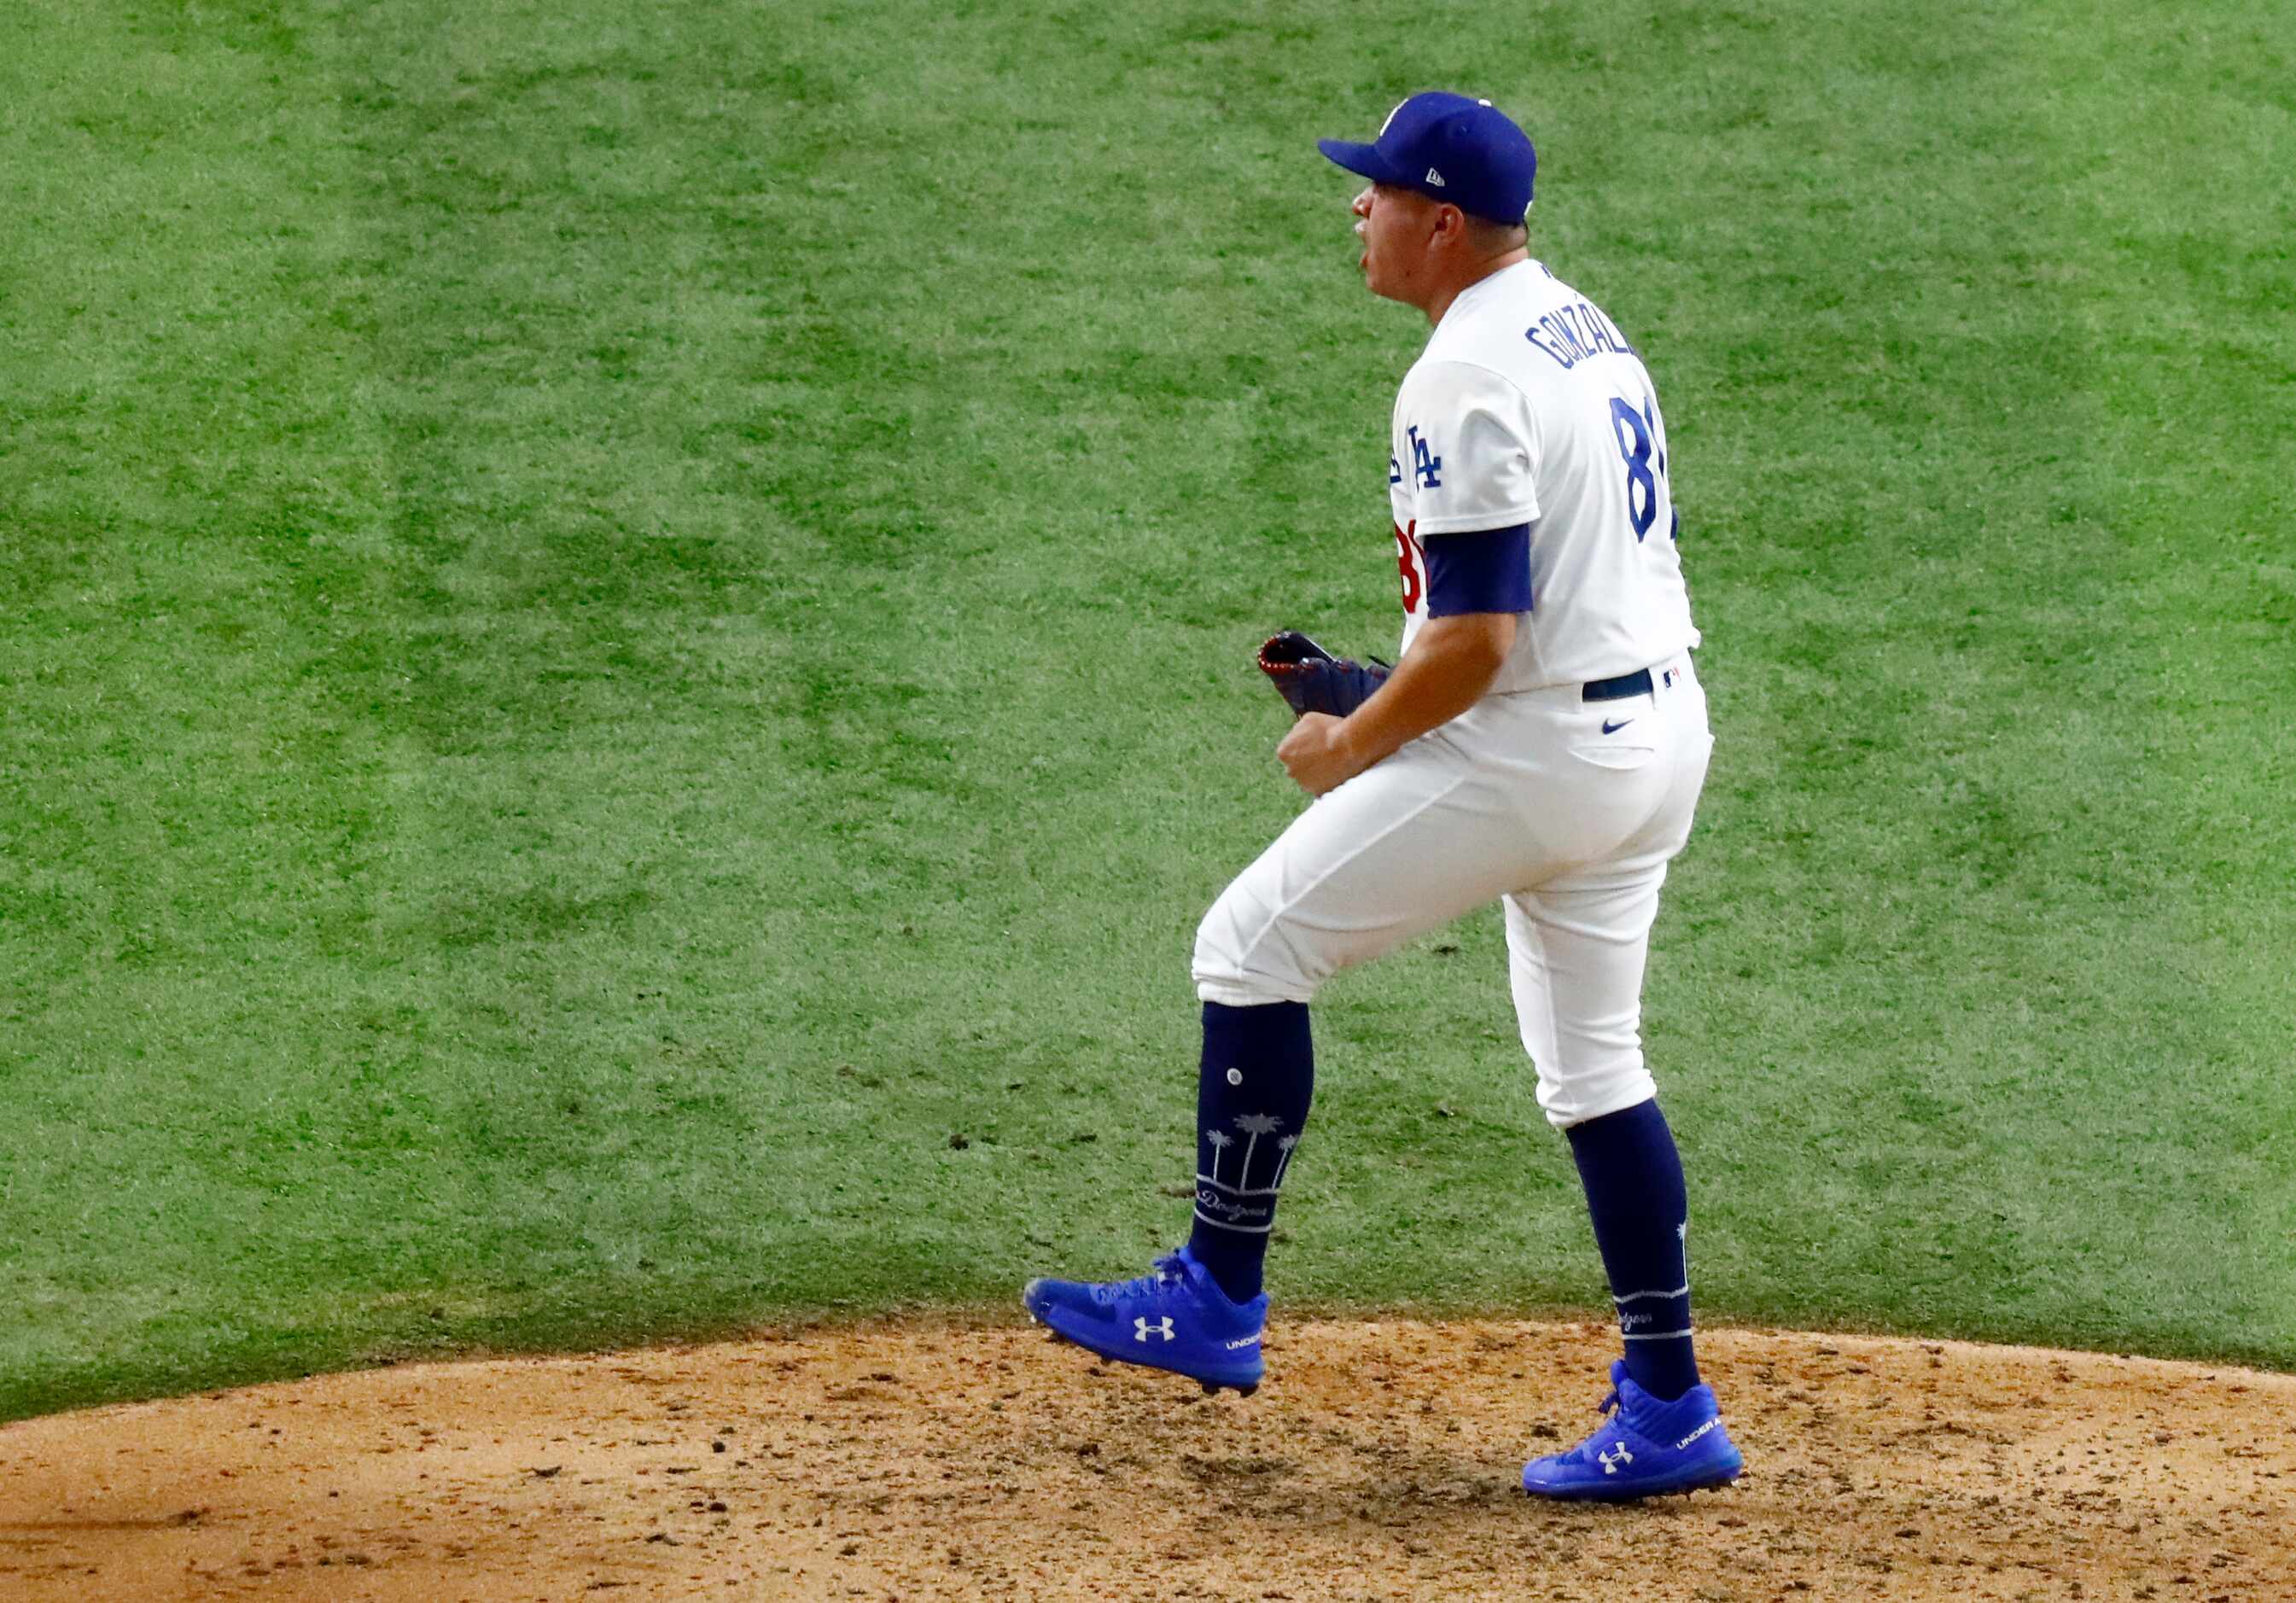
column 1480, row 571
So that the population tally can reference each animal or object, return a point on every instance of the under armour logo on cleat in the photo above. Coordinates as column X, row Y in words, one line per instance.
column 1141, row 1329
column 1611, row 1461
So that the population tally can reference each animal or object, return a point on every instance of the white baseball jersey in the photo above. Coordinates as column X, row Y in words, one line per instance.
column 1528, row 406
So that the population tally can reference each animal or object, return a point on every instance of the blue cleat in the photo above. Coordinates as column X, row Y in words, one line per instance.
column 1175, row 1318
column 1648, row 1449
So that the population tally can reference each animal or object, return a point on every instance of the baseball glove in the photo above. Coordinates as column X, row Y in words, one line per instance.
column 1313, row 680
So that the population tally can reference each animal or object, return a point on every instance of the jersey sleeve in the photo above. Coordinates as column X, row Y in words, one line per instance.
column 1479, row 570
column 1467, row 446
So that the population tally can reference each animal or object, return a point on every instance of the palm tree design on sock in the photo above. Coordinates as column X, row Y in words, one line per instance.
column 1221, row 1141
column 1283, row 1162
column 1254, row 1125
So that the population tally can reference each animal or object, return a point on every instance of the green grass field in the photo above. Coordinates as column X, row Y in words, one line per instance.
column 618, row 621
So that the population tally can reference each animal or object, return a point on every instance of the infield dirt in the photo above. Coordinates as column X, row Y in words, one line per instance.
column 954, row 1460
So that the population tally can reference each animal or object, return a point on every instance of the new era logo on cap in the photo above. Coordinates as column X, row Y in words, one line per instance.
column 1465, row 152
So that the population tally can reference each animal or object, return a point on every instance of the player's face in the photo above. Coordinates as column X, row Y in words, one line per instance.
column 1396, row 227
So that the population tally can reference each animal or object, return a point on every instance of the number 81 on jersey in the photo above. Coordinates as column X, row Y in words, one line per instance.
column 1643, row 444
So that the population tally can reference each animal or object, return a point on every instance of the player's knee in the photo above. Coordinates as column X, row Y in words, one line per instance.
column 1594, row 1090
column 1243, row 957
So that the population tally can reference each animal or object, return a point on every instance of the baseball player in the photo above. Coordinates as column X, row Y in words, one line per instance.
column 1540, row 742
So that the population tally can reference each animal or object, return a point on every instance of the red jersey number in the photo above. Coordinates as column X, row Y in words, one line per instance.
column 1413, row 561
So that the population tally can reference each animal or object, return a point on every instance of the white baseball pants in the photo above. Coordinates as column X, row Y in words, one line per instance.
column 1524, row 798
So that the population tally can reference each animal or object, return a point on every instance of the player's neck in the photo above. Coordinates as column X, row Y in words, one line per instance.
column 1474, row 274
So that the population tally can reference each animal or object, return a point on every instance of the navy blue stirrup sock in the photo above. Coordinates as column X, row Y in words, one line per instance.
column 1257, row 1079
column 1633, row 1176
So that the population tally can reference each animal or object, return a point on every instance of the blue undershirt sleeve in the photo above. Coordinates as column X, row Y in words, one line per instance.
column 1480, row 571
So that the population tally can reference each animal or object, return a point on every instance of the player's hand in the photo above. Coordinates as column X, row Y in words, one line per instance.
column 1316, row 754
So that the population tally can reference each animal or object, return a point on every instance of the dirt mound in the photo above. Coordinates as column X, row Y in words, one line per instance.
column 948, row 1460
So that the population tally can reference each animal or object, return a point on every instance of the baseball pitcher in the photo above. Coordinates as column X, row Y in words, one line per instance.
column 1540, row 742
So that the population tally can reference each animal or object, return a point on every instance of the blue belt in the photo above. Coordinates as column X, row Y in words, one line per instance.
column 1637, row 683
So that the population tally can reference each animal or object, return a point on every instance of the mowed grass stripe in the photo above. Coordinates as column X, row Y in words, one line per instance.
column 2021, row 824
column 199, row 774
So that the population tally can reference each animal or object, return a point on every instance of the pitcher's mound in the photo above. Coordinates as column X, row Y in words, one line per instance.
column 935, row 1460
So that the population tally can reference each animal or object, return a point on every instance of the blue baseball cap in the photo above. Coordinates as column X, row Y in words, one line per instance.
column 1452, row 147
